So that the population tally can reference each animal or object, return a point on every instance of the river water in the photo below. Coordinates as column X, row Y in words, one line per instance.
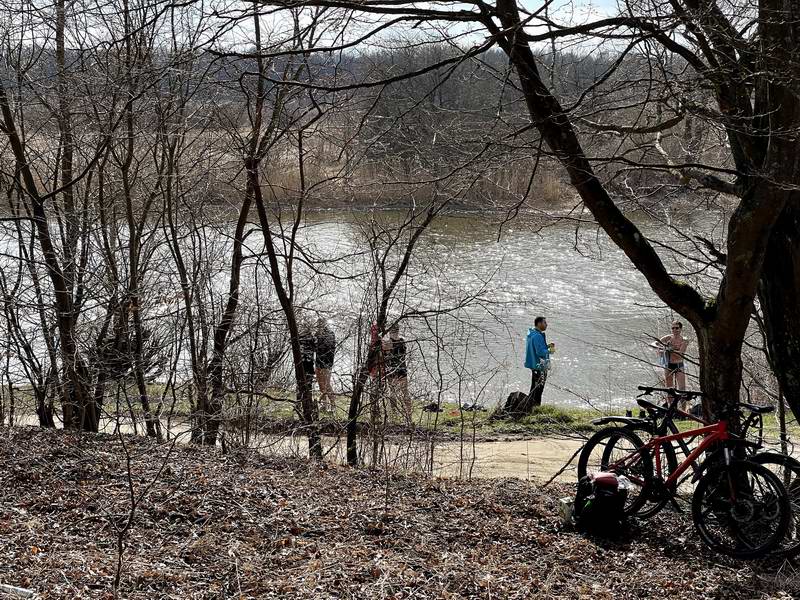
column 488, row 283
column 601, row 312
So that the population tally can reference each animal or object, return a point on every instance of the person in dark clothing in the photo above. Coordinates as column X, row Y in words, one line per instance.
column 325, row 351
column 394, row 352
column 305, row 336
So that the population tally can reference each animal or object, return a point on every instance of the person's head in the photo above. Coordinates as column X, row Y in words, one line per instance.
column 677, row 327
column 540, row 323
column 394, row 331
column 322, row 324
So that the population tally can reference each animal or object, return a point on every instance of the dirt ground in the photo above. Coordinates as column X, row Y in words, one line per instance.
column 532, row 460
column 244, row 525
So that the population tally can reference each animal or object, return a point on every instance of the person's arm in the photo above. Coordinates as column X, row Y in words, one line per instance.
column 542, row 351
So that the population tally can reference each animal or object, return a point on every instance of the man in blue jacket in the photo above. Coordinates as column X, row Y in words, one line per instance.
column 537, row 359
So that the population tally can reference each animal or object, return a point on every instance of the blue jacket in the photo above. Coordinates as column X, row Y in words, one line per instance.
column 537, row 356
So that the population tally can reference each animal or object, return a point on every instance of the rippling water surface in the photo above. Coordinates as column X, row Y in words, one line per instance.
column 601, row 313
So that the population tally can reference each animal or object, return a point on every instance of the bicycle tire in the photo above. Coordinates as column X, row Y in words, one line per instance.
column 790, row 468
column 652, row 506
column 640, row 476
column 720, row 494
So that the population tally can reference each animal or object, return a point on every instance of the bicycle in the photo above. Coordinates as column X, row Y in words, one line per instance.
column 668, row 413
column 661, row 423
column 740, row 508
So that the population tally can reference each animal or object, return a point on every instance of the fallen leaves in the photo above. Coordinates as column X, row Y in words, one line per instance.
column 214, row 526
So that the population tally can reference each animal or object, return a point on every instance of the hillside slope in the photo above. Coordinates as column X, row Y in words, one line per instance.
column 246, row 526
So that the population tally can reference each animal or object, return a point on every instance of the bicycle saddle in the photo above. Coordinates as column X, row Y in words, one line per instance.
column 759, row 410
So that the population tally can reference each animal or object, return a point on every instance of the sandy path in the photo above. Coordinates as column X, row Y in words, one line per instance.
column 536, row 459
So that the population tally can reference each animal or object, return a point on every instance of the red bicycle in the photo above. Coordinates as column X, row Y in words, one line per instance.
column 739, row 508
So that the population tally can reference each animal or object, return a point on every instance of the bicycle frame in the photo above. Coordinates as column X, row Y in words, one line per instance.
column 718, row 432
column 666, row 428
column 753, row 420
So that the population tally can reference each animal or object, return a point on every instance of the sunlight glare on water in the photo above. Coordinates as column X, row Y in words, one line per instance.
column 601, row 312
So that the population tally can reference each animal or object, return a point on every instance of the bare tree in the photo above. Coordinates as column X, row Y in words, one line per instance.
column 747, row 67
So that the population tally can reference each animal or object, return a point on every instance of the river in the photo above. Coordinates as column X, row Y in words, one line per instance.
column 601, row 312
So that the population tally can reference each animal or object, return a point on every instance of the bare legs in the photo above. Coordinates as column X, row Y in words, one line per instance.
column 669, row 380
column 327, row 400
column 676, row 378
column 399, row 398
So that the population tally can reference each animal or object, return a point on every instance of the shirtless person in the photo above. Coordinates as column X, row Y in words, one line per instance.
column 673, row 346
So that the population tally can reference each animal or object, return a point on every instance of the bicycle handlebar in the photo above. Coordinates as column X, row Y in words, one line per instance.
column 671, row 391
column 689, row 394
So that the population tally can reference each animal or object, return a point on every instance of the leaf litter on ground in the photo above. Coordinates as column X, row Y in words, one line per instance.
column 245, row 525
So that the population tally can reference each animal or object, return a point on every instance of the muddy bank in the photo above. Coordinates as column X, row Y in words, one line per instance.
column 246, row 526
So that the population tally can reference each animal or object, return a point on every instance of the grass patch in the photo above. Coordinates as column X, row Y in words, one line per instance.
column 452, row 420
column 549, row 419
column 544, row 420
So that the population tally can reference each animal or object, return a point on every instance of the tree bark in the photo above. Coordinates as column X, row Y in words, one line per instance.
column 779, row 296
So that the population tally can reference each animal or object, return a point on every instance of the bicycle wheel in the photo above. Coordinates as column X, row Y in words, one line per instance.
column 658, row 496
column 621, row 452
column 788, row 471
column 741, row 509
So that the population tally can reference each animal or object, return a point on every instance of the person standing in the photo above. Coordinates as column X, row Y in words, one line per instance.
column 673, row 347
column 394, row 351
column 305, row 337
column 325, row 351
column 537, row 359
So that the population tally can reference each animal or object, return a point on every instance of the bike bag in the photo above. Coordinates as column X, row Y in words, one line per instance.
column 600, row 503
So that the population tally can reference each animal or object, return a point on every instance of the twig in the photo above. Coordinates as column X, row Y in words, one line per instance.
column 564, row 468
column 16, row 591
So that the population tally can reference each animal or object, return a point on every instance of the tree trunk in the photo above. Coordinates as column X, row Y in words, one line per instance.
column 720, row 373
column 304, row 392
column 215, row 367
column 779, row 295
column 44, row 410
column 355, row 409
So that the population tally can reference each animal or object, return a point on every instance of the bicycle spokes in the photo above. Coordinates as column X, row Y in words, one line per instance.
column 741, row 509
